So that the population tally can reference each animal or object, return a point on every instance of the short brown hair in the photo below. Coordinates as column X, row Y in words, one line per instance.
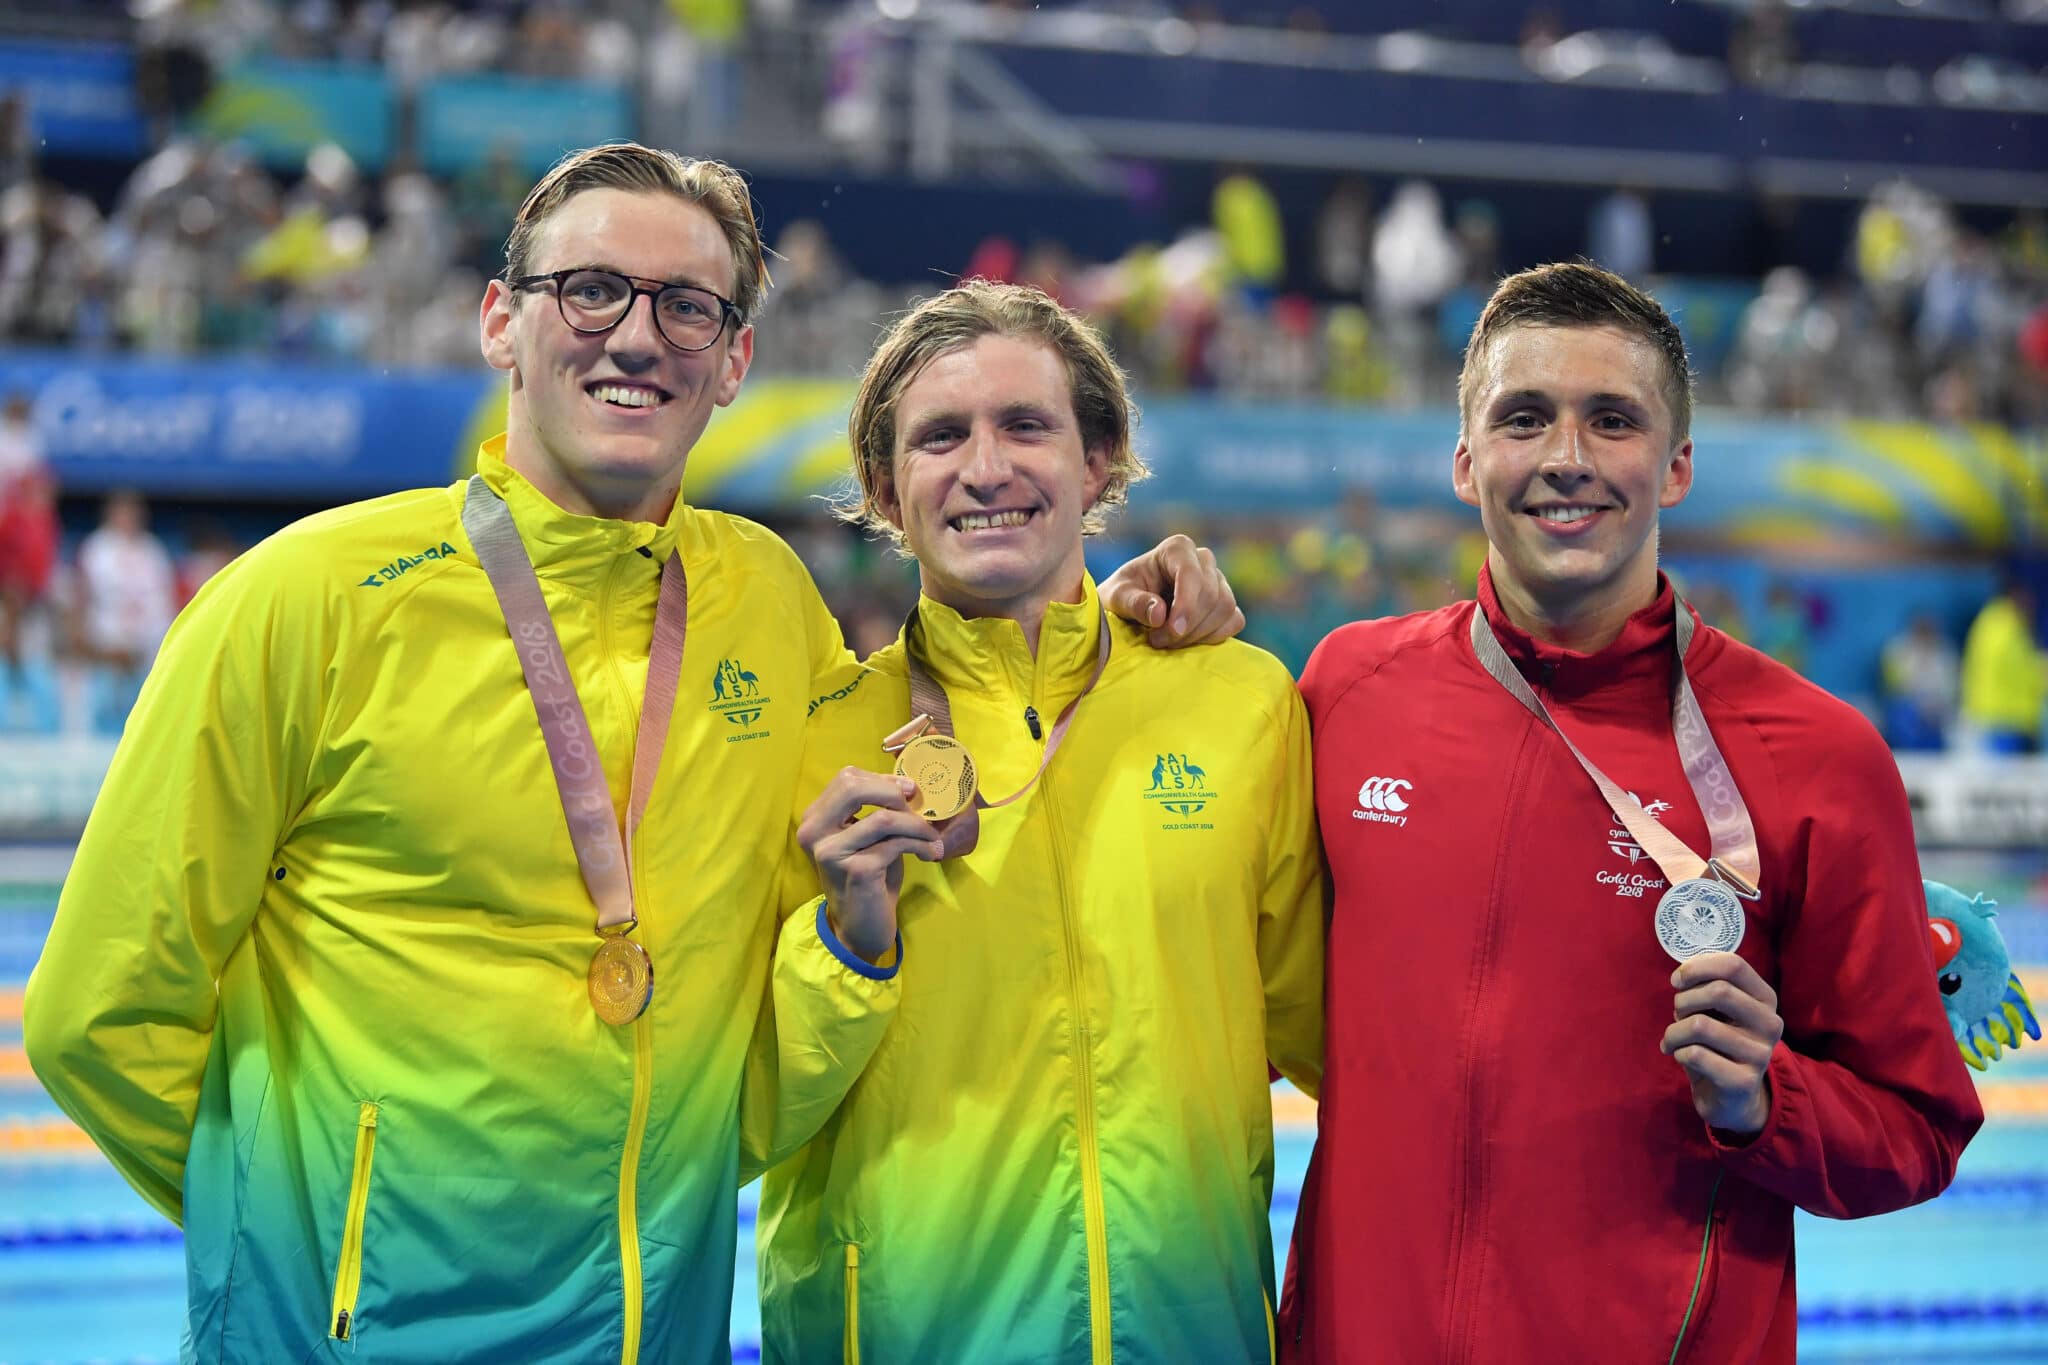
column 630, row 166
column 946, row 322
column 1575, row 294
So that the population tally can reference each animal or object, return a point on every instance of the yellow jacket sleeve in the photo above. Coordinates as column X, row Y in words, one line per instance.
column 825, row 1010
column 1291, row 911
column 119, row 1012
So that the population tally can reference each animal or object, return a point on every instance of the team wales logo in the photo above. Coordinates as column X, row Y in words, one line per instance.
column 1642, row 876
column 736, row 694
column 1182, row 790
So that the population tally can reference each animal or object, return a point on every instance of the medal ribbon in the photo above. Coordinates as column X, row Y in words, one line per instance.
column 931, row 710
column 579, row 770
column 1734, row 858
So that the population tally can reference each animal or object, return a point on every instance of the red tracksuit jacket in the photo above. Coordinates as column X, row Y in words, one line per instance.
column 1508, row 1169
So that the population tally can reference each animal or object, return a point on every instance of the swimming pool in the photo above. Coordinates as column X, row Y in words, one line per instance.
column 88, row 1272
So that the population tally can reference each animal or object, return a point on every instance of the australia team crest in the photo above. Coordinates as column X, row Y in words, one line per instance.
column 737, row 695
column 1181, row 789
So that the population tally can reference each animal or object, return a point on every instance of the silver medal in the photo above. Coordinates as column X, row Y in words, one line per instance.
column 1699, row 915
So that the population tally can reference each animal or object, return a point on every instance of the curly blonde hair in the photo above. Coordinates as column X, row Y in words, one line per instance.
column 960, row 316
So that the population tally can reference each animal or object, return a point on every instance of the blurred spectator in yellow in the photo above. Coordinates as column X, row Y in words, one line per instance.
column 1353, row 369
column 2005, row 676
column 1919, row 682
column 1247, row 218
column 124, row 603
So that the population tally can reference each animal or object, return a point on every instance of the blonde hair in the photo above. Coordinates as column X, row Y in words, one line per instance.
column 959, row 317
column 714, row 185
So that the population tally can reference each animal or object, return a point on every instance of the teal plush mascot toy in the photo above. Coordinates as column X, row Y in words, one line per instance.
column 1987, row 1006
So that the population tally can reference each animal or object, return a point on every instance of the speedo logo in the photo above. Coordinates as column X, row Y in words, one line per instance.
column 1380, row 800
column 391, row 572
column 841, row 695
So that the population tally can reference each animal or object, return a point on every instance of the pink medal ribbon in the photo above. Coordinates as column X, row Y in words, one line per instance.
column 1701, row 912
column 621, row 976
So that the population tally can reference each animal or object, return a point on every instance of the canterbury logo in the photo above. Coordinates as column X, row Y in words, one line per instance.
column 1384, row 794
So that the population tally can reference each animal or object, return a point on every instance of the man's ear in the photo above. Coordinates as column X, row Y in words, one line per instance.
column 1462, row 482
column 1095, row 476
column 886, row 502
column 494, row 326
column 1678, row 478
column 738, row 357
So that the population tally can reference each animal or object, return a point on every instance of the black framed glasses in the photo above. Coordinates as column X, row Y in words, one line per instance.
column 594, row 301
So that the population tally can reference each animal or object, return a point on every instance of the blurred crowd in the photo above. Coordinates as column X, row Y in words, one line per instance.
column 206, row 249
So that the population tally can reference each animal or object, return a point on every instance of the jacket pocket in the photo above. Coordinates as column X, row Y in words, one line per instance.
column 1704, row 1280
column 850, row 1345
column 348, row 1270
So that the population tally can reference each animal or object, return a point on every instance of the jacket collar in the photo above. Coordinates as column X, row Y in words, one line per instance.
column 985, row 653
column 562, row 543
column 1641, row 653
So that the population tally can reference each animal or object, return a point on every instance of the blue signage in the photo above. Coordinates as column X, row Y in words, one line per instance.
column 241, row 429
column 281, row 110
column 464, row 119
column 80, row 96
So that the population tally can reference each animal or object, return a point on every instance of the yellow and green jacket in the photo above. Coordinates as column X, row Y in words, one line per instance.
column 317, row 978
column 1062, row 1149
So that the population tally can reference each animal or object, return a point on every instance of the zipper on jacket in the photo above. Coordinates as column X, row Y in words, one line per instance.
column 348, row 1271
column 1699, row 1276
column 849, row 1349
column 643, row 1037
column 1084, row 1080
column 1031, row 722
column 1469, row 1201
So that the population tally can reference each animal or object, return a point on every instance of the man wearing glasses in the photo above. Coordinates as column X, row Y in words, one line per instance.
column 415, row 949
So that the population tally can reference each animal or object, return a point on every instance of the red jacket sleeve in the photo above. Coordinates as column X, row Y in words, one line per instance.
column 1871, row 1103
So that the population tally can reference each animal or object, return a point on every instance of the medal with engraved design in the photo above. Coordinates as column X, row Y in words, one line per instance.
column 943, row 771
column 621, row 980
column 1699, row 915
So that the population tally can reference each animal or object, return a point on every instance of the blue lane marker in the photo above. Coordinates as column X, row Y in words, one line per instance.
column 1998, row 1312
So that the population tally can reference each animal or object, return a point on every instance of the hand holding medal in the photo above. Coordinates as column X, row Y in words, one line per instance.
column 860, row 857
column 1726, row 1028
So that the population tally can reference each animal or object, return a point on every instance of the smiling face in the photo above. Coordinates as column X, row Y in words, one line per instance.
column 1569, row 451
column 603, row 424
column 989, row 478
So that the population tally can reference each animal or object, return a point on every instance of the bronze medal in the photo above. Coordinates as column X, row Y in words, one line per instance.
column 943, row 771
column 621, row 980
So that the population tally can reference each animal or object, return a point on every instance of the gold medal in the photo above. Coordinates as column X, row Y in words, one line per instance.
column 943, row 771
column 621, row 980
